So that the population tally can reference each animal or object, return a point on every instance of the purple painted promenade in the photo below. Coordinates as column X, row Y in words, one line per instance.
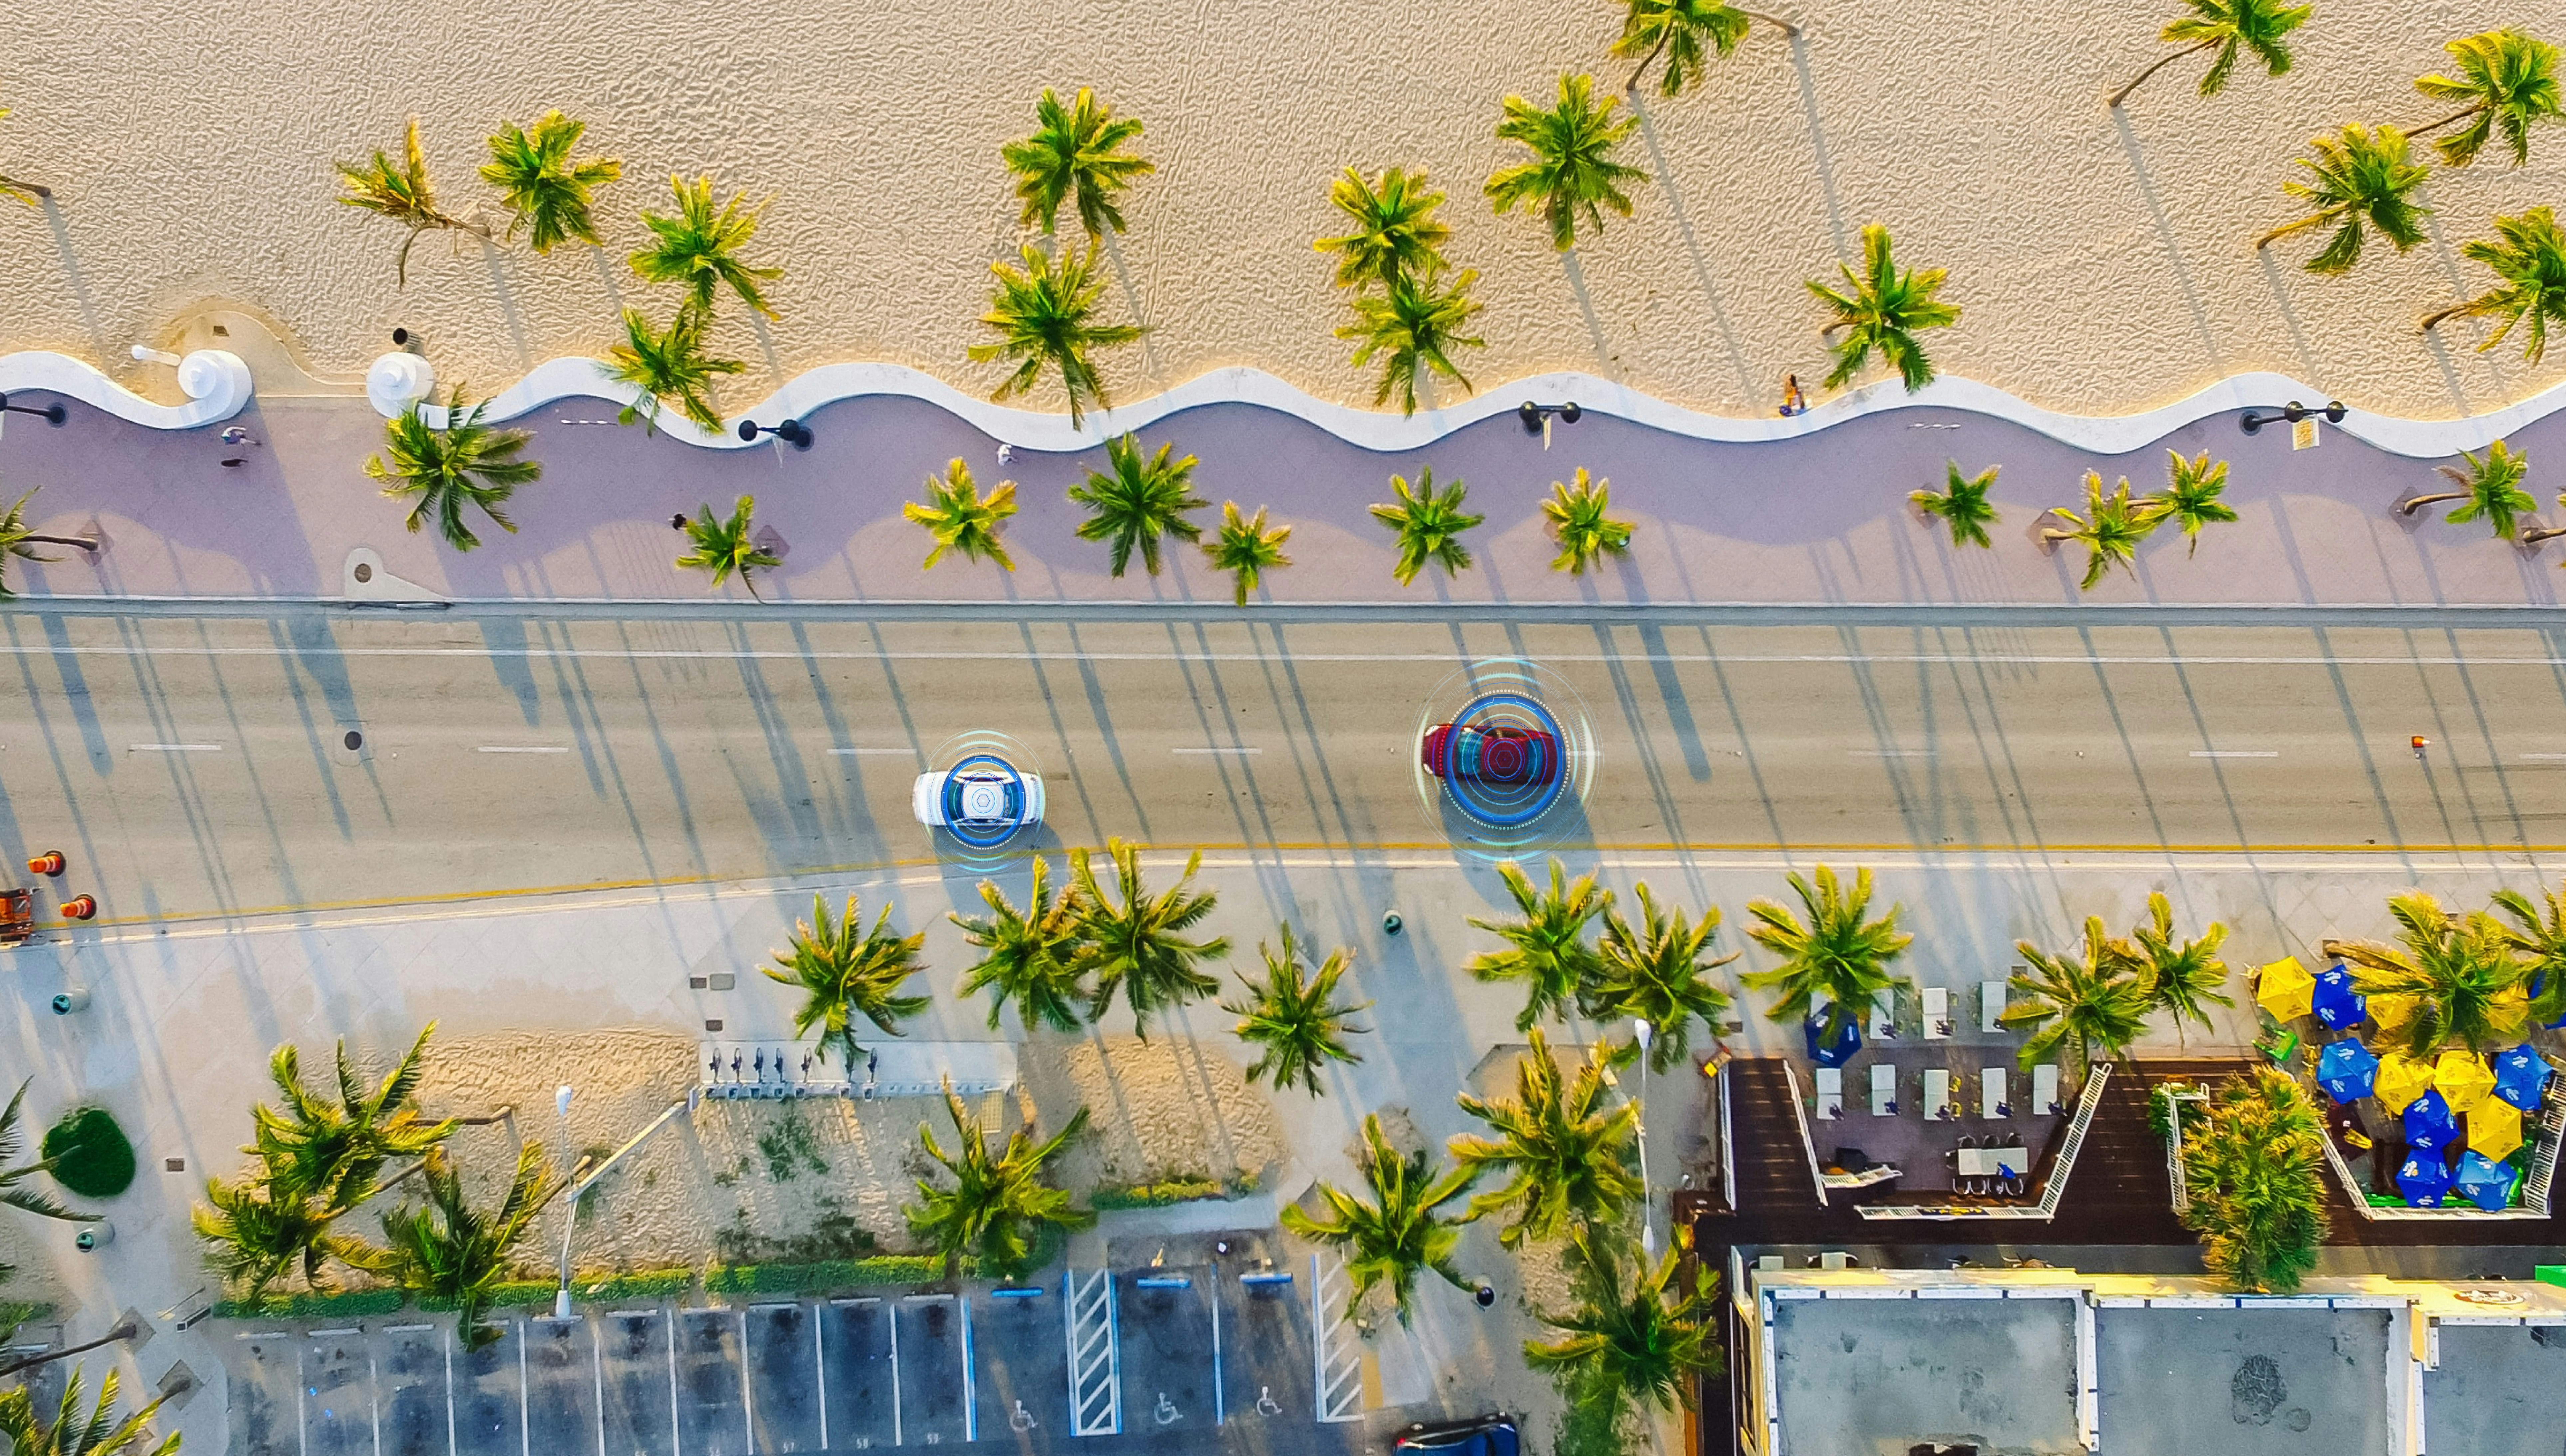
column 1819, row 520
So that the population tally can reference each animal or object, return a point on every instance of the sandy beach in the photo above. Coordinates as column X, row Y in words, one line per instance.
column 2103, row 262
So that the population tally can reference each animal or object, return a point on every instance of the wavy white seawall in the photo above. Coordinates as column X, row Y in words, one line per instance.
column 218, row 387
column 397, row 380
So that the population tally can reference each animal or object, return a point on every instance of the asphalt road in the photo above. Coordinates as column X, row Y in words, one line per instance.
column 198, row 765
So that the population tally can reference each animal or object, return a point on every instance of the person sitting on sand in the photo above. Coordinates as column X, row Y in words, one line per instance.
column 1793, row 401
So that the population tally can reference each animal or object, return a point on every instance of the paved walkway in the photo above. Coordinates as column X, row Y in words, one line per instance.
column 1825, row 519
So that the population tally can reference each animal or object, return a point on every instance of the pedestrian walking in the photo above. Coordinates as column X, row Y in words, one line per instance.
column 2419, row 741
column 236, row 436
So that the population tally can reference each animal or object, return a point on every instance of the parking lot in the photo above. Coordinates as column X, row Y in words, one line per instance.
column 1187, row 1343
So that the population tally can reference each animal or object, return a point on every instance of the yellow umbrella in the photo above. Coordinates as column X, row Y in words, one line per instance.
column 2495, row 1128
column 2285, row 989
column 2401, row 1079
column 2390, row 1011
column 2464, row 1079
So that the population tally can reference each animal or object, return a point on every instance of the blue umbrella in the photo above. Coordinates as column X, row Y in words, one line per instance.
column 2521, row 1076
column 2423, row 1180
column 2335, row 1002
column 1831, row 1054
column 2429, row 1125
column 2484, row 1182
column 2347, row 1070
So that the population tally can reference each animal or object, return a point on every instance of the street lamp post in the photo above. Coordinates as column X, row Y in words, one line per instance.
column 792, row 433
column 1536, row 418
column 1647, row 1213
column 53, row 415
column 570, row 1222
column 2253, row 420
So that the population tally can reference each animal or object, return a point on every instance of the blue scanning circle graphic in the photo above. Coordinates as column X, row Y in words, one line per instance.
column 1505, row 760
column 989, row 836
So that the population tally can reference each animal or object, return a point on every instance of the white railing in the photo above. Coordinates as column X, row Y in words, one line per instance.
column 1808, row 1146
column 2534, row 1188
column 2088, row 1103
column 2174, row 1145
column 1728, row 1141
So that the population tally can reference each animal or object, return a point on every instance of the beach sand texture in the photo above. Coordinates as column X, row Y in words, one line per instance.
column 2103, row 262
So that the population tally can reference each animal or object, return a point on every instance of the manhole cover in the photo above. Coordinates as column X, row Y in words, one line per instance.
column 354, row 739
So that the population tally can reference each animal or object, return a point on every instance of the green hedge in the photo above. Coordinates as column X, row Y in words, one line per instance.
column 91, row 1156
column 1173, row 1191
column 795, row 1279
column 344, row 1303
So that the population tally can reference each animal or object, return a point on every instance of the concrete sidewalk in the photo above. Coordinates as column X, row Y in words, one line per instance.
column 1825, row 519
column 174, row 1039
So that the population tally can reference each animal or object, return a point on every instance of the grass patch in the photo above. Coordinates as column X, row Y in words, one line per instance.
column 91, row 1154
column 789, row 1148
column 1170, row 1191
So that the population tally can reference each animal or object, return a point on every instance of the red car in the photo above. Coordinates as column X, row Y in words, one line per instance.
column 1512, row 757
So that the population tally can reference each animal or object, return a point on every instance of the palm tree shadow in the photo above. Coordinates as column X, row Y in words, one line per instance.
column 2166, row 235
column 2289, row 316
column 495, row 260
column 1586, row 304
column 1818, row 143
column 766, row 346
column 1131, row 296
column 606, row 277
column 1692, row 245
column 75, row 277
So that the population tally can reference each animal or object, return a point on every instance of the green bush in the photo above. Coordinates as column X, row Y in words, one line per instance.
column 312, row 1306
column 94, row 1158
column 1171, row 1192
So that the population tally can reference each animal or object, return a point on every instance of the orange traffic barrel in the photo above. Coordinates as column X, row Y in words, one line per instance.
column 79, row 907
column 48, row 863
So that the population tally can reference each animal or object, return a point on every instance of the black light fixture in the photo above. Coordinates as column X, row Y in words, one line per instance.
column 54, row 413
column 1532, row 414
column 1390, row 923
column 792, row 433
column 2254, row 420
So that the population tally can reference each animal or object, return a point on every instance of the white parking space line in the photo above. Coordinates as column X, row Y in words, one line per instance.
column 174, row 748
column 870, row 752
column 1213, row 751
column 517, row 748
column 2235, row 753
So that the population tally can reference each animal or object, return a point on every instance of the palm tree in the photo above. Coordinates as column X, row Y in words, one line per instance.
column 671, row 368
column 2087, row 1002
column 1396, row 230
column 1295, row 1017
column 73, row 1432
column 1646, row 1341
column 1044, row 317
column 1077, row 150
column 2361, row 176
column 465, row 464
column 846, row 971
column 994, row 1201
column 1398, row 1234
column 1678, row 30
column 402, row 194
column 17, row 541
column 723, row 546
column 31, row 194
column 1568, row 1149
column 1143, row 499
column 700, row 248
column 1546, row 945
column 14, row 1174
column 2110, row 530
column 256, row 1234
column 1414, row 326
column 1429, row 523
column 1659, row 975
column 335, row 1149
column 2509, row 82
column 2191, row 495
column 1245, row 548
column 2234, row 27
column 1032, row 954
column 961, row 519
column 2252, row 1167
column 1883, row 309
column 1838, row 954
column 1580, row 517
column 2529, row 254
column 1572, row 170
column 1962, row 504
column 2541, row 940
column 2464, row 975
column 546, row 190
column 2179, row 976
column 2489, row 485
column 1138, row 947
column 448, row 1249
